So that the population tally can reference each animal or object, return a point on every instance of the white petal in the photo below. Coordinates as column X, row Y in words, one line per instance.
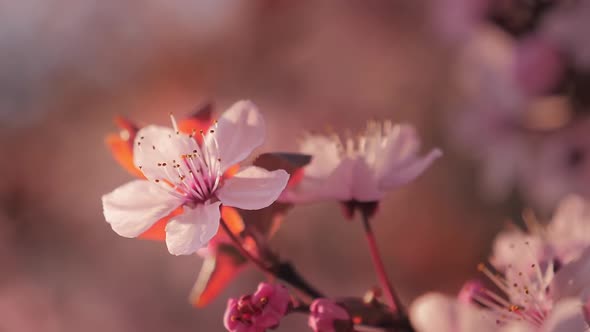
column 336, row 186
column 439, row 313
column 158, row 145
column 253, row 188
column 240, row 130
column 135, row 206
column 567, row 315
column 325, row 155
column 364, row 184
column 192, row 230
column 398, row 177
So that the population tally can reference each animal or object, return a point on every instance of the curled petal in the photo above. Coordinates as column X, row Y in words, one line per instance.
column 135, row 206
column 192, row 230
column 240, row 130
column 253, row 188
column 398, row 177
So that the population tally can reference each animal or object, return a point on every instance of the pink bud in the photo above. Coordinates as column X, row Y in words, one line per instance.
column 258, row 312
column 325, row 314
column 538, row 66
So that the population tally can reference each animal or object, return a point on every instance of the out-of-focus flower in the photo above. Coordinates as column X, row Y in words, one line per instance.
column 362, row 169
column 562, row 166
column 488, row 126
column 562, row 241
column 538, row 66
column 544, row 280
column 456, row 20
column 257, row 312
column 568, row 231
column 505, row 118
column 327, row 316
column 567, row 26
column 180, row 172
column 436, row 312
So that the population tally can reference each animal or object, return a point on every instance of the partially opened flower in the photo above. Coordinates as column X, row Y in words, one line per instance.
column 327, row 316
column 182, row 173
column 362, row 169
column 257, row 312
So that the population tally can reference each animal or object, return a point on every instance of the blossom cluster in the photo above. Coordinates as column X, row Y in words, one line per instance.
column 522, row 73
column 193, row 194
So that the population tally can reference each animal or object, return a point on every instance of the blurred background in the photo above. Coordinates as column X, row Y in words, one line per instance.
column 498, row 85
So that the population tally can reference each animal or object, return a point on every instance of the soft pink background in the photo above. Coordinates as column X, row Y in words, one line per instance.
column 67, row 67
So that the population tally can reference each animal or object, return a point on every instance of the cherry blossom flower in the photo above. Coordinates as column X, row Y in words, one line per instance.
column 180, row 172
column 533, row 298
column 562, row 241
column 257, row 312
column 436, row 312
column 362, row 169
column 544, row 280
column 325, row 314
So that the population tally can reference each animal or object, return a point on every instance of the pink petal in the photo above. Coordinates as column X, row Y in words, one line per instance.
column 336, row 186
column 192, row 230
column 567, row 315
column 253, row 188
column 573, row 278
column 135, row 206
column 156, row 146
column 325, row 152
column 240, row 130
column 364, row 183
column 439, row 313
column 398, row 177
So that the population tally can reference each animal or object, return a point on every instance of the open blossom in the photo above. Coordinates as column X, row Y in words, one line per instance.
column 362, row 169
column 560, row 242
column 532, row 298
column 439, row 313
column 544, row 282
column 325, row 314
column 180, row 172
column 257, row 312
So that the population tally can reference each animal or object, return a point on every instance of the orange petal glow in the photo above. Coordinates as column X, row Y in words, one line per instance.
column 233, row 219
column 158, row 231
column 217, row 272
column 122, row 151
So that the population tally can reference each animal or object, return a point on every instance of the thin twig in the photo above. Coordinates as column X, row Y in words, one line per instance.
column 281, row 270
column 394, row 302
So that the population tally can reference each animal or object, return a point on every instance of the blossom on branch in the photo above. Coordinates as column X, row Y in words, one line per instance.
column 182, row 173
column 361, row 169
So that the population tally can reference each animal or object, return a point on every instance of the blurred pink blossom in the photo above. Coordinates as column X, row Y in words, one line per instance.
column 439, row 313
column 538, row 66
column 258, row 312
column 568, row 27
column 562, row 166
column 456, row 20
column 382, row 158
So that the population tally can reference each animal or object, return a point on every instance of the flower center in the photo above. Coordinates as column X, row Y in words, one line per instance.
column 525, row 291
column 195, row 175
